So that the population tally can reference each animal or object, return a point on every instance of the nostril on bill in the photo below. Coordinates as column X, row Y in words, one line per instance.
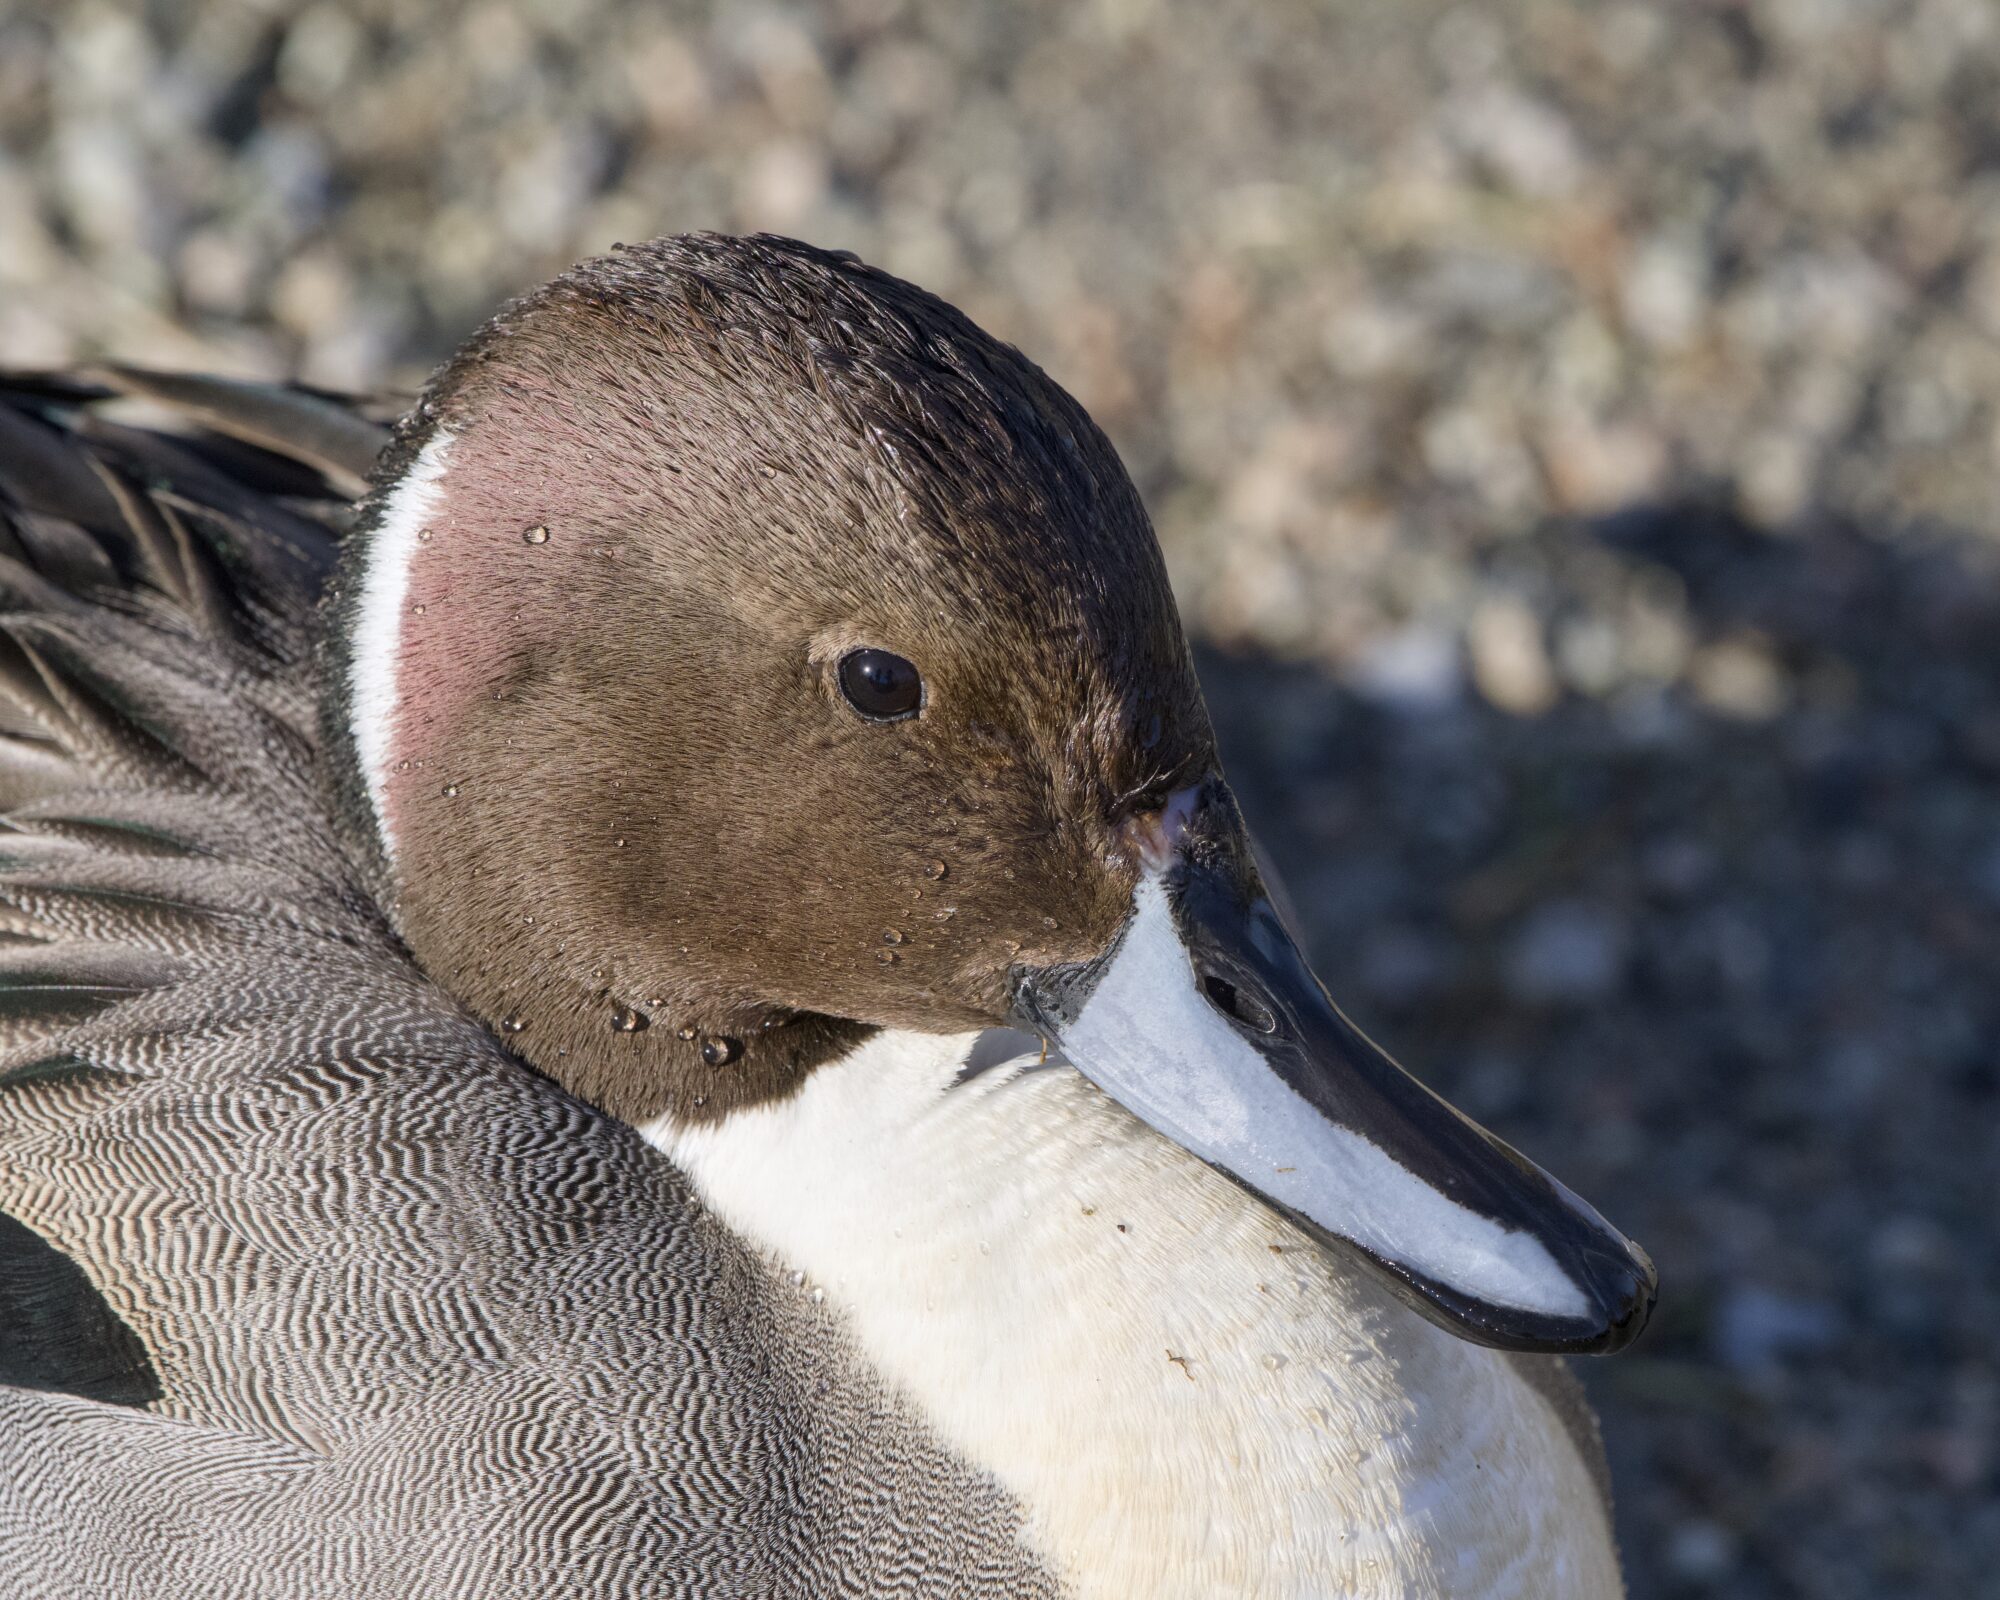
column 1237, row 1004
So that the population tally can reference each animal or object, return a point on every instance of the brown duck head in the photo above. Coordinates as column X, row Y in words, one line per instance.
column 742, row 653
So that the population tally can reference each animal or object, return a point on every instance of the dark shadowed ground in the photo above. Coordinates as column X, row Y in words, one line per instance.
column 1574, row 429
column 1735, row 977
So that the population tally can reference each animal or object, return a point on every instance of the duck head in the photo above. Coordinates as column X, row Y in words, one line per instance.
column 742, row 653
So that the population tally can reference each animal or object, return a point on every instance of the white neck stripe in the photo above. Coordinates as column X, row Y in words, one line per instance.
column 377, row 625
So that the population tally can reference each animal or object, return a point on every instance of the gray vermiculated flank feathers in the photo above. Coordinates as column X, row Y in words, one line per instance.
column 307, row 1288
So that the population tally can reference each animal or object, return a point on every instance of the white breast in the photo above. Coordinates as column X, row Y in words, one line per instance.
column 1188, row 1397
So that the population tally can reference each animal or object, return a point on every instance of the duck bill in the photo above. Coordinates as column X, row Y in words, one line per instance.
column 1204, row 1020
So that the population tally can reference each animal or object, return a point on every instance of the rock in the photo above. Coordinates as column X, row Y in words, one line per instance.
column 1701, row 1551
column 1757, row 1328
column 1510, row 663
column 1566, row 953
column 1739, row 678
column 1415, row 669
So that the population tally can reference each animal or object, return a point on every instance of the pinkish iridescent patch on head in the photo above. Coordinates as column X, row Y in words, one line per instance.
column 439, row 613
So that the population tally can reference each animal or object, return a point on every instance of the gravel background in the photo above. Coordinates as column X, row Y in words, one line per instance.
column 1574, row 430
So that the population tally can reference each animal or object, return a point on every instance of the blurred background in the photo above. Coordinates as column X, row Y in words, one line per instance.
column 1574, row 430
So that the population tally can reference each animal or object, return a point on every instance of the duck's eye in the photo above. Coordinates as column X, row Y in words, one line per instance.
column 881, row 686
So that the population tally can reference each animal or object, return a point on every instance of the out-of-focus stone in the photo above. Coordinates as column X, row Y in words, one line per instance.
column 1757, row 1327
column 320, row 52
column 1700, row 1551
column 1414, row 669
column 312, row 293
column 1510, row 662
column 1566, row 953
column 1664, row 292
column 1739, row 677
column 216, row 273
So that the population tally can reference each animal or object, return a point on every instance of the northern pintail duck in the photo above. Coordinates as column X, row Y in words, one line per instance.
column 521, row 1104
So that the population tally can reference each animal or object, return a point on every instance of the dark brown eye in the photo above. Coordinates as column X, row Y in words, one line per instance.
column 881, row 686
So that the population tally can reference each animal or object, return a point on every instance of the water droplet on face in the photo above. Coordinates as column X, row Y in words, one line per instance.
column 537, row 535
column 1050, row 922
column 618, row 844
column 451, row 791
column 513, row 1024
column 1273, row 1361
column 718, row 1050
column 627, row 1019
column 1013, row 947
column 936, row 870
column 423, row 536
column 421, row 610
column 683, row 1033
column 796, row 1278
column 892, row 936
column 819, row 1294
column 886, row 957
column 402, row 766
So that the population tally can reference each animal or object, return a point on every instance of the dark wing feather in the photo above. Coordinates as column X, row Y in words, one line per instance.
column 314, row 429
column 215, row 493
column 219, row 518
column 58, row 1333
